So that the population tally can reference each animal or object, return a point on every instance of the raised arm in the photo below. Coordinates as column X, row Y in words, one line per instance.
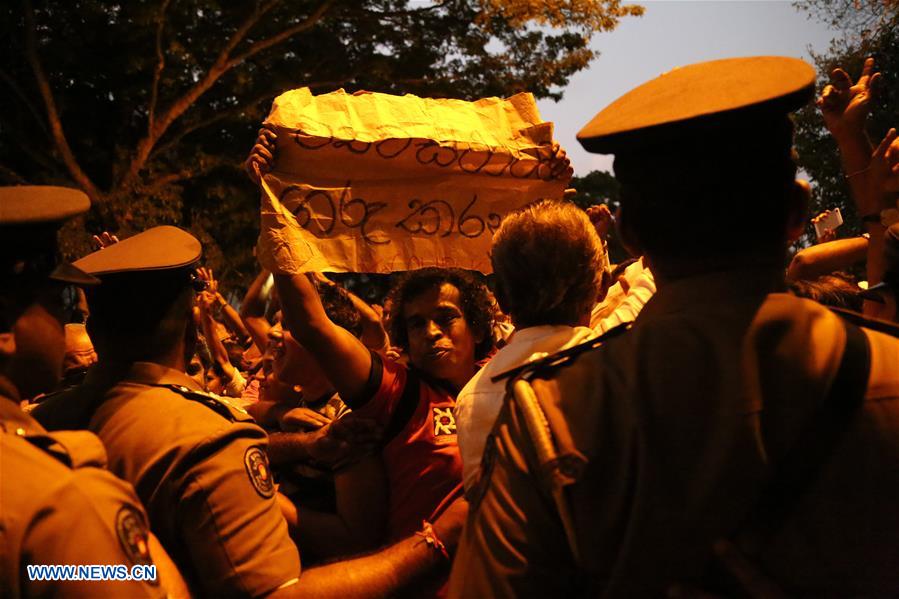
column 342, row 357
column 845, row 108
column 345, row 361
column 878, row 194
column 229, row 315
column 252, row 311
column 233, row 321
column 205, row 302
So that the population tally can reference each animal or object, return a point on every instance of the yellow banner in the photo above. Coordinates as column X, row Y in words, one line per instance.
column 380, row 183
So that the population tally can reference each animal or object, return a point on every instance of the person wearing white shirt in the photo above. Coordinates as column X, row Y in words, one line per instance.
column 625, row 298
column 548, row 262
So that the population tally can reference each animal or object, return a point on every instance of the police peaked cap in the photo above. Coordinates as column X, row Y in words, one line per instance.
column 30, row 217
column 155, row 250
column 695, row 100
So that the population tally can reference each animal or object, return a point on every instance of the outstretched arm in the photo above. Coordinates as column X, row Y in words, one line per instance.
column 824, row 258
column 386, row 572
column 332, row 445
column 361, row 514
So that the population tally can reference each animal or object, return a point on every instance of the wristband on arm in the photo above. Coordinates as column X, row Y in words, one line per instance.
column 430, row 537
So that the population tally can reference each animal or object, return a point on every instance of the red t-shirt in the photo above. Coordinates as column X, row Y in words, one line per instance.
column 422, row 457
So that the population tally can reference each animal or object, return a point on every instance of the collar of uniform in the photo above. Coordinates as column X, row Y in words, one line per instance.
column 715, row 288
column 150, row 373
column 14, row 421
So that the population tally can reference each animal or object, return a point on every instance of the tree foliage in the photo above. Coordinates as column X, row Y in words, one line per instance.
column 867, row 28
column 151, row 105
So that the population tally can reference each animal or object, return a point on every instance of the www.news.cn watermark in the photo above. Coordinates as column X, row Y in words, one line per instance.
column 92, row 572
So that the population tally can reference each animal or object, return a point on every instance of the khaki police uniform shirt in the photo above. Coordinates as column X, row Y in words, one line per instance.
column 59, row 507
column 678, row 420
column 200, row 467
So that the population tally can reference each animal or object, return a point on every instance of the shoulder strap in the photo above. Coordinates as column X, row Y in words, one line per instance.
column 565, row 356
column 547, row 471
column 219, row 405
column 552, row 472
column 405, row 407
column 802, row 465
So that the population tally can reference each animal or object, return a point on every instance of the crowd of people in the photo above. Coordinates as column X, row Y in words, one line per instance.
column 708, row 418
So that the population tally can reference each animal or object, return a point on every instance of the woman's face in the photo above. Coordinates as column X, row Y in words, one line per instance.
column 440, row 340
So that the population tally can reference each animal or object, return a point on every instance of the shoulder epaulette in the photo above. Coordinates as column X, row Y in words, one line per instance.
column 215, row 402
column 50, row 446
column 563, row 357
column 75, row 449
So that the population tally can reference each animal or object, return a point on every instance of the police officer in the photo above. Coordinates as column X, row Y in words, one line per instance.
column 730, row 410
column 198, row 463
column 57, row 504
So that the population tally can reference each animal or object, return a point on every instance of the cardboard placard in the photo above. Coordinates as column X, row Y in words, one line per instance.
column 381, row 183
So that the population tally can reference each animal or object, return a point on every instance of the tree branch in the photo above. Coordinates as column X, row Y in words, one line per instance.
column 176, row 138
column 28, row 103
column 10, row 176
column 242, row 32
column 187, row 173
column 59, row 137
column 23, row 139
column 218, row 68
column 160, row 65
column 219, row 116
column 333, row 83
column 402, row 13
column 169, row 179
column 45, row 161
column 222, row 65
column 307, row 23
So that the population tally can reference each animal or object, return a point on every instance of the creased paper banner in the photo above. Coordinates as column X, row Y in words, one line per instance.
column 380, row 183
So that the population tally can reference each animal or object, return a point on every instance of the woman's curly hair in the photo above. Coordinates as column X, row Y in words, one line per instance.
column 474, row 296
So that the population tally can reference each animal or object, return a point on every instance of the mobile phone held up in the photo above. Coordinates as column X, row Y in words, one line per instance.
column 832, row 220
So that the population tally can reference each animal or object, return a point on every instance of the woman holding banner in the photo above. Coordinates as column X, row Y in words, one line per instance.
column 442, row 319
